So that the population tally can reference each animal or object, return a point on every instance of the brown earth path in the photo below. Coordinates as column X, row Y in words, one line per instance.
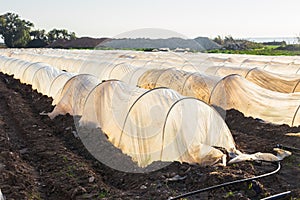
column 41, row 159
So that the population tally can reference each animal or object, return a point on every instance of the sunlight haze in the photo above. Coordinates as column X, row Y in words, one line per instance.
column 192, row 18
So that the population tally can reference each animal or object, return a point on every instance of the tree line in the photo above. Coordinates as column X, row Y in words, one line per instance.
column 19, row 33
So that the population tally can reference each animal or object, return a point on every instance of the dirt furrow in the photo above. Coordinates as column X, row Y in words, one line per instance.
column 56, row 172
column 41, row 159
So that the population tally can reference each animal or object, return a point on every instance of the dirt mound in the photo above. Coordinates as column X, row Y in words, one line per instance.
column 83, row 42
column 198, row 44
column 42, row 159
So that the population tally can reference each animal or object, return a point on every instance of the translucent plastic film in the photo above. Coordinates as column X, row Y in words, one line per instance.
column 156, row 125
column 231, row 91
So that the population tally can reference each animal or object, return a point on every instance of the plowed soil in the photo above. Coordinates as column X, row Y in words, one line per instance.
column 42, row 159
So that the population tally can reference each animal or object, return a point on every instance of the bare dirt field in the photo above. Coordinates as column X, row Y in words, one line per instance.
column 41, row 159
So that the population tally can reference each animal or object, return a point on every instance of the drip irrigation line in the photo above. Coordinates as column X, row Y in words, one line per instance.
column 277, row 196
column 287, row 147
column 227, row 183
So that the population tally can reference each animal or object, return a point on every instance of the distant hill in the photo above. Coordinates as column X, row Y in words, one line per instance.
column 197, row 44
column 207, row 43
column 83, row 42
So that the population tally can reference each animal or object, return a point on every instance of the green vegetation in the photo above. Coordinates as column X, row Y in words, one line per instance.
column 71, row 171
column 102, row 194
column 34, row 197
column 14, row 31
column 229, row 194
column 17, row 32
column 56, row 34
column 250, row 186
column 264, row 51
column 236, row 46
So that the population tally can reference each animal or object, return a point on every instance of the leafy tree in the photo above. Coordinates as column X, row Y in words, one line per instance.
column 14, row 31
column 17, row 33
column 38, row 39
column 219, row 40
column 39, row 35
column 56, row 34
column 298, row 39
column 229, row 38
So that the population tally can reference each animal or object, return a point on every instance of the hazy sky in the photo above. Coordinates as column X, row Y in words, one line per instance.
column 192, row 18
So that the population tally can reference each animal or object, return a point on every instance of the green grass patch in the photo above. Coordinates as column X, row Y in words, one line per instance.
column 267, row 51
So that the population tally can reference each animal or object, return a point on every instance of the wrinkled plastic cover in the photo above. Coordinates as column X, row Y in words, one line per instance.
column 257, row 102
column 73, row 94
column 145, row 126
column 271, row 81
column 229, row 92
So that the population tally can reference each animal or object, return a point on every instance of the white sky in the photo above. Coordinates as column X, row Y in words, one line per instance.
column 192, row 18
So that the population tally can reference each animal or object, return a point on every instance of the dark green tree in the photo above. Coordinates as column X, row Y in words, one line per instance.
column 38, row 39
column 39, row 35
column 229, row 38
column 298, row 39
column 219, row 40
column 15, row 31
column 56, row 34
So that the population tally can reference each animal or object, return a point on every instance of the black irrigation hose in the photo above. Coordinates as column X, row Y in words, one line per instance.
column 226, row 184
column 277, row 196
column 287, row 147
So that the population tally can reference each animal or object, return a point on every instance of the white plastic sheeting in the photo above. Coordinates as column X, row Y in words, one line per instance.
column 232, row 91
column 1, row 196
column 271, row 81
column 40, row 75
column 122, row 65
column 156, row 125
column 56, row 86
column 45, row 74
column 73, row 94
column 147, row 125
column 275, row 64
column 257, row 102
column 72, row 60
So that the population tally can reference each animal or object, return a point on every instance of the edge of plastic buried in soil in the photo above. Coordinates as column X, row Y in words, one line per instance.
column 94, row 139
